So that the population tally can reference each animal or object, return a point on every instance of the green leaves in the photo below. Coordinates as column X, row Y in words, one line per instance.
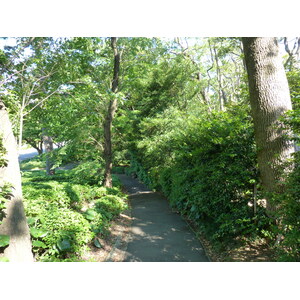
column 54, row 207
column 203, row 162
column 97, row 243
column 64, row 245
column 38, row 232
column 4, row 240
column 39, row 244
column 90, row 214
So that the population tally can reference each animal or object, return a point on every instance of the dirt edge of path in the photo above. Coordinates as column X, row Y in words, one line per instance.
column 114, row 245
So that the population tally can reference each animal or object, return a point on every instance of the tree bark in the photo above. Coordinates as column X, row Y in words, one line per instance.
column 48, row 143
column 112, row 107
column 221, row 92
column 14, row 223
column 269, row 99
column 21, row 130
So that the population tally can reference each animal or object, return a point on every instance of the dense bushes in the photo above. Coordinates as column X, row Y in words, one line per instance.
column 288, row 213
column 205, row 164
column 90, row 172
column 289, row 216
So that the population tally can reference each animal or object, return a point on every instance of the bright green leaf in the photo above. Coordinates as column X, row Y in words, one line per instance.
column 38, row 232
column 39, row 244
column 4, row 240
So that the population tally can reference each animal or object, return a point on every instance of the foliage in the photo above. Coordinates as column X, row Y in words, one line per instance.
column 2, row 153
column 59, row 213
column 90, row 172
column 205, row 164
column 5, row 188
column 5, row 192
column 33, row 164
column 4, row 240
column 289, row 202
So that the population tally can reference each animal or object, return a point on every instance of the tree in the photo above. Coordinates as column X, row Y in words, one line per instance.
column 112, row 107
column 14, row 224
column 293, row 53
column 269, row 99
column 30, row 76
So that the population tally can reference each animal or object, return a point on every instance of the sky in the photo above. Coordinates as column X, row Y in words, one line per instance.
column 10, row 41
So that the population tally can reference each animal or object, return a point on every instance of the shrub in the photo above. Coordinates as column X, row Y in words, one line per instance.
column 90, row 172
column 288, row 215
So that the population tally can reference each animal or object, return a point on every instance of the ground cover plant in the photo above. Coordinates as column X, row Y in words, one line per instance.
column 65, row 216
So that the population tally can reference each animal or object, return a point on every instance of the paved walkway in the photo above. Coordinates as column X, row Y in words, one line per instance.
column 158, row 234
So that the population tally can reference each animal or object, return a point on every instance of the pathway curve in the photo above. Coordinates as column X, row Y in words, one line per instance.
column 158, row 234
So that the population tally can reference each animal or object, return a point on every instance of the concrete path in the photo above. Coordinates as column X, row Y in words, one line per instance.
column 158, row 234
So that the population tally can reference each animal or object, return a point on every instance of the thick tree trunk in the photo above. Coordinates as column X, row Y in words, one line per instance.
column 48, row 143
column 112, row 107
column 14, row 224
column 269, row 99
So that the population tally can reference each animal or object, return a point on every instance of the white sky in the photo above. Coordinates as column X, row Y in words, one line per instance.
column 8, row 42
column 11, row 42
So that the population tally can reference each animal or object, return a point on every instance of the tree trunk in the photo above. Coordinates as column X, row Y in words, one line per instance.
column 48, row 143
column 269, row 99
column 38, row 146
column 293, row 53
column 214, row 58
column 14, row 224
column 21, row 131
column 112, row 107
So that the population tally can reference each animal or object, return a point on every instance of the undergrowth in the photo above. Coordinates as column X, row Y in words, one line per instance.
column 66, row 211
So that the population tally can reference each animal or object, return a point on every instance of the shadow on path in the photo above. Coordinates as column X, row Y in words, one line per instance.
column 158, row 234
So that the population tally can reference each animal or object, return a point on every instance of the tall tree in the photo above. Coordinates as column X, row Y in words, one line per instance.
column 14, row 224
column 269, row 99
column 112, row 107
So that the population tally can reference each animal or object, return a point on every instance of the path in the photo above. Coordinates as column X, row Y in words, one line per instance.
column 158, row 234
column 27, row 153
